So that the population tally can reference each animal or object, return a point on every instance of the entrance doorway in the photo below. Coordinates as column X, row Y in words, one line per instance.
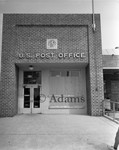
column 32, row 90
column 31, row 99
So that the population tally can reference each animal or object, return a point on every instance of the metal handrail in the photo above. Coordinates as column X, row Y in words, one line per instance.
column 110, row 109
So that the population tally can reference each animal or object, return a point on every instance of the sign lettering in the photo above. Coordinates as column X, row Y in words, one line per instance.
column 67, row 99
column 51, row 55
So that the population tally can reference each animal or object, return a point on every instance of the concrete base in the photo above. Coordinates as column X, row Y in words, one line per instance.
column 56, row 132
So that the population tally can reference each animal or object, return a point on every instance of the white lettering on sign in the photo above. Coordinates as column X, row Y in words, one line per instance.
column 51, row 55
column 21, row 55
column 83, row 55
column 70, row 55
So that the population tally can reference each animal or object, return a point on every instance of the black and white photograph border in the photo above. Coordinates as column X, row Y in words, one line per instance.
column 59, row 74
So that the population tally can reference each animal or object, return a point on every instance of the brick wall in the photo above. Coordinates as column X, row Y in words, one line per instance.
column 28, row 33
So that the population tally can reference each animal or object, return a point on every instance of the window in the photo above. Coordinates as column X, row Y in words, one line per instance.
column 75, row 73
column 65, row 73
column 32, row 77
column 55, row 73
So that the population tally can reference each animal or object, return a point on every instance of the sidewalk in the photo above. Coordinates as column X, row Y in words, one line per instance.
column 56, row 132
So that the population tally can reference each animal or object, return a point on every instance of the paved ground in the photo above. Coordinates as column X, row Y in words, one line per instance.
column 56, row 132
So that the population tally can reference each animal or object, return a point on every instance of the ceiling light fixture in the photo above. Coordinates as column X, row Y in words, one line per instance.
column 31, row 67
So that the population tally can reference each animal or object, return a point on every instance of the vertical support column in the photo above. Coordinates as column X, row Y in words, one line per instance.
column 96, row 70
column 8, row 93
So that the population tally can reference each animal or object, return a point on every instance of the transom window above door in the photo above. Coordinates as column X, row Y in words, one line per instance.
column 32, row 77
column 64, row 73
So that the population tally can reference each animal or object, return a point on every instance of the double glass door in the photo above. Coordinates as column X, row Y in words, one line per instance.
column 32, row 90
column 31, row 99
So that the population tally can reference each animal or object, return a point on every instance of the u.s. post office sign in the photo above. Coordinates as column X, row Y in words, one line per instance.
column 51, row 55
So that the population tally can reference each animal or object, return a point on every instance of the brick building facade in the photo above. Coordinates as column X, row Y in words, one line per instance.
column 55, row 57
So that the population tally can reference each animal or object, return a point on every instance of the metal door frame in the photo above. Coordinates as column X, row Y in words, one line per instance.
column 31, row 110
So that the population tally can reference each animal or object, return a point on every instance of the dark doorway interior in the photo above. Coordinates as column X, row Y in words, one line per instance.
column 111, row 84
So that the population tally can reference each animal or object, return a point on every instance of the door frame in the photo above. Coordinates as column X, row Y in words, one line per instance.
column 32, row 109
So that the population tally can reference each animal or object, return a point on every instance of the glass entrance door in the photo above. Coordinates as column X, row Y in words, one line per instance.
column 32, row 90
column 31, row 99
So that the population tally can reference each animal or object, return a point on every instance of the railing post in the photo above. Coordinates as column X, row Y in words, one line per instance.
column 113, row 110
column 103, row 107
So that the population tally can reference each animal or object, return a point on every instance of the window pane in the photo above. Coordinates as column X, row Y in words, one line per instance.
column 33, row 77
column 63, row 73
column 36, row 97
column 26, row 97
column 55, row 73
column 75, row 73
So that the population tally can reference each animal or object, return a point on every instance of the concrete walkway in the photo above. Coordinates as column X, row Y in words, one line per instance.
column 56, row 132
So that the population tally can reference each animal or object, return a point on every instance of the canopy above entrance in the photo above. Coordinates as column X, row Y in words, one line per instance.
column 39, row 66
